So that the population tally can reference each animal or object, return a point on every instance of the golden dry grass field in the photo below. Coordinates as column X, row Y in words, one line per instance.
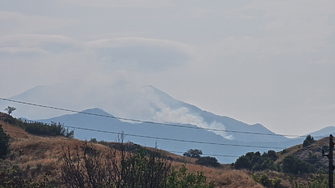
column 44, row 155
column 39, row 155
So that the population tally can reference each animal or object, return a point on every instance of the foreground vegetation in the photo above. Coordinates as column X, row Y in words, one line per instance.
column 39, row 128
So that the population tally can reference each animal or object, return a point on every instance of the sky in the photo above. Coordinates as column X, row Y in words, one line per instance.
column 257, row 61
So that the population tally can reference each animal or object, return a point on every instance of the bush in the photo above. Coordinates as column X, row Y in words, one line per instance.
column 256, row 161
column 181, row 179
column 43, row 129
column 319, row 180
column 4, row 143
column 294, row 165
column 194, row 153
column 208, row 161
column 308, row 141
column 117, row 168
column 93, row 140
column 13, row 177
column 267, row 182
column 39, row 128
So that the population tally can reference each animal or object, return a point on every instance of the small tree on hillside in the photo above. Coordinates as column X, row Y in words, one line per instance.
column 208, row 161
column 308, row 141
column 4, row 143
column 10, row 109
column 194, row 153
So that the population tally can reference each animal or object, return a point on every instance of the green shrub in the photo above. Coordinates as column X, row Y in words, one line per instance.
column 43, row 129
column 39, row 128
column 93, row 140
column 4, row 143
column 208, row 161
column 181, row 179
column 13, row 178
column 267, row 182
column 308, row 141
column 294, row 165
column 256, row 161
column 118, row 168
column 319, row 180
column 194, row 153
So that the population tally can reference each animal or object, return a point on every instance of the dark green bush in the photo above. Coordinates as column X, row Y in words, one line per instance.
column 43, row 129
column 4, row 143
column 39, row 128
column 308, row 141
column 208, row 161
column 256, row 161
column 194, row 153
column 294, row 165
column 266, row 181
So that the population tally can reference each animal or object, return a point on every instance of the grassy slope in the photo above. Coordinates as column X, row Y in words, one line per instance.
column 30, row 150
column 302, row 152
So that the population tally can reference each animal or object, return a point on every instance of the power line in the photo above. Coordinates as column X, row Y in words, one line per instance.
column 142, row 121
column 172, row 139
column 180, row 140
column 222, row 155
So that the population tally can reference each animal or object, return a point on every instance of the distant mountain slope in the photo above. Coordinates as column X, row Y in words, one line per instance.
column 147, row 130
column 145, row 103
column 323, row 132
column 222, row 122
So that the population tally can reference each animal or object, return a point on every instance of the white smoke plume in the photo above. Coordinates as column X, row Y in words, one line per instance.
column 183, row 116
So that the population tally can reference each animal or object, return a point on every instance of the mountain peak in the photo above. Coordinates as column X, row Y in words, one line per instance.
column 96, row 111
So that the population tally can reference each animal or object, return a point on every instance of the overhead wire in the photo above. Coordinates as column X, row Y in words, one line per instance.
column 218, row 155
column 171, row 139
column 152, row 137
column 149, row 122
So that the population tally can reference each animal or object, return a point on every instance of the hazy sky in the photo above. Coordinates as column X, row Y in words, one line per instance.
column 258, row 61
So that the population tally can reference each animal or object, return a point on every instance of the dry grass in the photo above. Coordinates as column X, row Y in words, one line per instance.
column 294, row 150
column 16, row 133
column 44, row 154
column 221, row 177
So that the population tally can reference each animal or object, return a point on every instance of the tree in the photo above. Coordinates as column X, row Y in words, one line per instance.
column 308, row 141
column 255, row 161
column 194, row 153
column 208, row 161
column 295, row 165
column 10, row 109
column 4, row 143
column 243, row 162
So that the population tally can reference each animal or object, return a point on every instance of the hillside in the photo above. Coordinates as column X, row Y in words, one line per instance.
column 36, row 156
column 303, row 152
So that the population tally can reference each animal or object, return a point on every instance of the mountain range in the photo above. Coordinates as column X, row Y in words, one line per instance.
column 215, row 135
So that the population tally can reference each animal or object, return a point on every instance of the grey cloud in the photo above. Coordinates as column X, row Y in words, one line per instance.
column 140, row 54
column 115, row 3
column 33, row 45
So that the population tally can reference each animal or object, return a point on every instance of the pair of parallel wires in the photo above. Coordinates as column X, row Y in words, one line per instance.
column 158, row 123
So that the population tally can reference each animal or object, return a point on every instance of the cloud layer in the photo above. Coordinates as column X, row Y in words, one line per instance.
column 257, row 61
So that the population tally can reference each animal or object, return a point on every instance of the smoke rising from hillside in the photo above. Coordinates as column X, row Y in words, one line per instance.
column 183, row 116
